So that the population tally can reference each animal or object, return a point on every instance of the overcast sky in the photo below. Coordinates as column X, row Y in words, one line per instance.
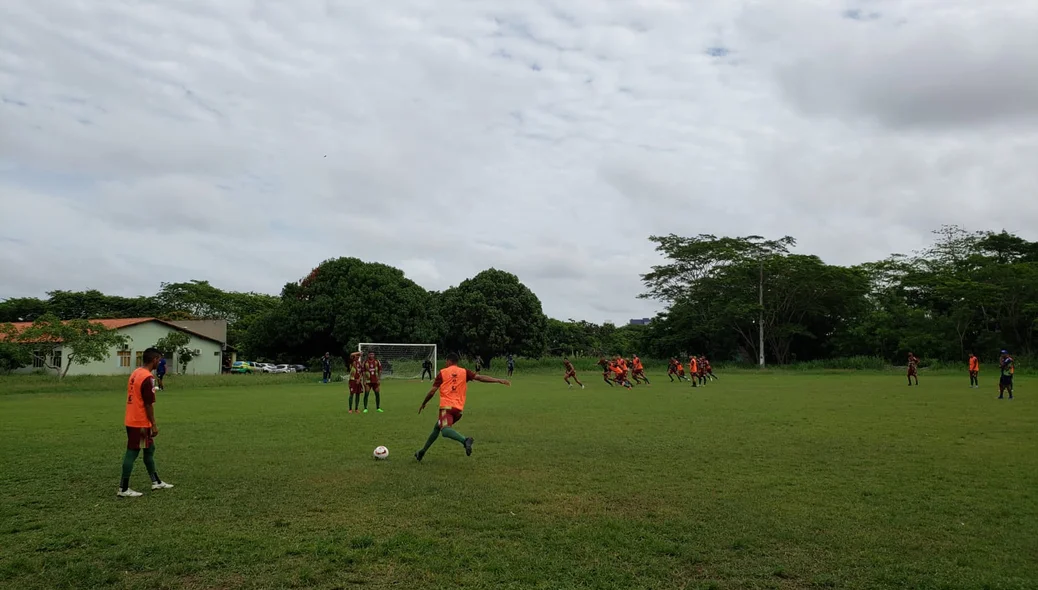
column 245, row 141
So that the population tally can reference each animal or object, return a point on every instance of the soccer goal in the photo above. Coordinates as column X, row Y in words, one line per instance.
column 401, row 361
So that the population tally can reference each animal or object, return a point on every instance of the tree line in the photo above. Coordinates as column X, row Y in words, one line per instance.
column 968, row 291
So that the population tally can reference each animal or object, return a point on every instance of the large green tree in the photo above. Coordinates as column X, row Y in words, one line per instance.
column 344, row 302
column 80, row 341
column 491, row 314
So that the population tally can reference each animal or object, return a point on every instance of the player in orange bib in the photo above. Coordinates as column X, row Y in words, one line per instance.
column 974, row 371
column 638, row 372
column 620, row 375
column 355, row 384
column 452, row 383
column 571, row 373
column 141, row 429
column 693, row 369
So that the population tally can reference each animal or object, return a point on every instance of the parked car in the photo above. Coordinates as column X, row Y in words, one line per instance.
column 299, row 368
column 242, row 367
column 267, row 367
column 284, row 369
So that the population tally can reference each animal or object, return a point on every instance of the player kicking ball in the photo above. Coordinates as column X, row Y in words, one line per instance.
column 452, row 383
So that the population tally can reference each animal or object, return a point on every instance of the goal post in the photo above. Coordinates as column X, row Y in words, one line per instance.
column 401, row 361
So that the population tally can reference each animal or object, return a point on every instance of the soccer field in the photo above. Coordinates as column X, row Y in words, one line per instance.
column 757, row 481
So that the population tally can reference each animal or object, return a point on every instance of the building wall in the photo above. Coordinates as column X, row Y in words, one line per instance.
column 143, row 336
column 215, row 329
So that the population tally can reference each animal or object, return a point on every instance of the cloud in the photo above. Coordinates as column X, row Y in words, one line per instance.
column 245, row 142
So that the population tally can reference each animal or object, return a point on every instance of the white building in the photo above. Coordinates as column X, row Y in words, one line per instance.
column 142, row 333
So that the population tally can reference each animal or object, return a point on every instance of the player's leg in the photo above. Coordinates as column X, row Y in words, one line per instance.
column 133, row 449
column 377, row 387
column 367, row 394
column 448, row 418
column 149, row 464
column 435, row 434
column 578, row 382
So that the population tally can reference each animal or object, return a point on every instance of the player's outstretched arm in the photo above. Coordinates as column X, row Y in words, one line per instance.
column 485, row 379
column 428, row 397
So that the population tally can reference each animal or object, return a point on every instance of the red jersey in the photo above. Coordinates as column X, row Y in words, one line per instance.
column 373, row 370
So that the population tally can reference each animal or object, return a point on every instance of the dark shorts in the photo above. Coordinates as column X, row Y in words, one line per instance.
column 138, row 438
column 912, row 373
column 356, row 387
column 372, row 384
column 570, row 374
column 160, row 375
column 1006, row 380
column 448, row 417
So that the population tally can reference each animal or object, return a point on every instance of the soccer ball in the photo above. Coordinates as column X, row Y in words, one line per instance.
column 381, row 453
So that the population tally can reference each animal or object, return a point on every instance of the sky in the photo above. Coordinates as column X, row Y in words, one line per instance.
column 245, row 141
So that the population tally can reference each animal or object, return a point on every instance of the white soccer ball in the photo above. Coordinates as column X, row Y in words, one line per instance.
column 381, row 453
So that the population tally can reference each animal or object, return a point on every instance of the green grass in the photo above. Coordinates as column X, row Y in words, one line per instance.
column 758, row 481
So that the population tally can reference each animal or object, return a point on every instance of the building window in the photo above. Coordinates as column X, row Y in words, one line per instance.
column 140, row 358
column 57, row 359
column 37, row 360
column 124, row 358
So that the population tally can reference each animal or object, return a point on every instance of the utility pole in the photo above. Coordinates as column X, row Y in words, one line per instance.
column 760, row 320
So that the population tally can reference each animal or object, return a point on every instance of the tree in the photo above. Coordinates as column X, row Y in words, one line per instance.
column 81, row 341
column 705, row 259
column 177, row 342
column 22, row 309
column 491, row 314
column 12, row 354
column 347, row 302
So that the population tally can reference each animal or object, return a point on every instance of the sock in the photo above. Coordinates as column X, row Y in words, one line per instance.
column 646, row 380
column 432, row 438
column 128, row 460
column 378, row 399
column 452, row 434
column 149, row 463
column 366, row 394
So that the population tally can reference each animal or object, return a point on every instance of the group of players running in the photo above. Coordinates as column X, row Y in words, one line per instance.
column 630, row 372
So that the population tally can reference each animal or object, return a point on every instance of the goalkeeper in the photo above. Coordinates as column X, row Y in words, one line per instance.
column 427, row 367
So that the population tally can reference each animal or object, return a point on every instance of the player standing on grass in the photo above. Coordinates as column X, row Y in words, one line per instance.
column 326, row 364
column 1005, row 380
column 356, row 385
column 160, row 372
column 606, row 370
column 702, row 370
column 511, row 365
column 452, row 383
column 427, row 368
column 693, row 369
column 571, row 373
column 974, row 371
column 672, row 368
column 913, row 369
column 141, row 429
column 372, row 381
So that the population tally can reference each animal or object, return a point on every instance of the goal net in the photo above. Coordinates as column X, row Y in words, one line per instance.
column 401, row 361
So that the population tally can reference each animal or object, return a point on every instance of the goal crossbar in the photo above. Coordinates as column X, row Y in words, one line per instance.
column 401, row 361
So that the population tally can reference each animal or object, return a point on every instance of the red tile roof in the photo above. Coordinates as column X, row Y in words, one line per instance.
column 118, row 323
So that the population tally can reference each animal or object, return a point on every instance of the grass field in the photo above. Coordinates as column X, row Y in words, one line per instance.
column 758, row 481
